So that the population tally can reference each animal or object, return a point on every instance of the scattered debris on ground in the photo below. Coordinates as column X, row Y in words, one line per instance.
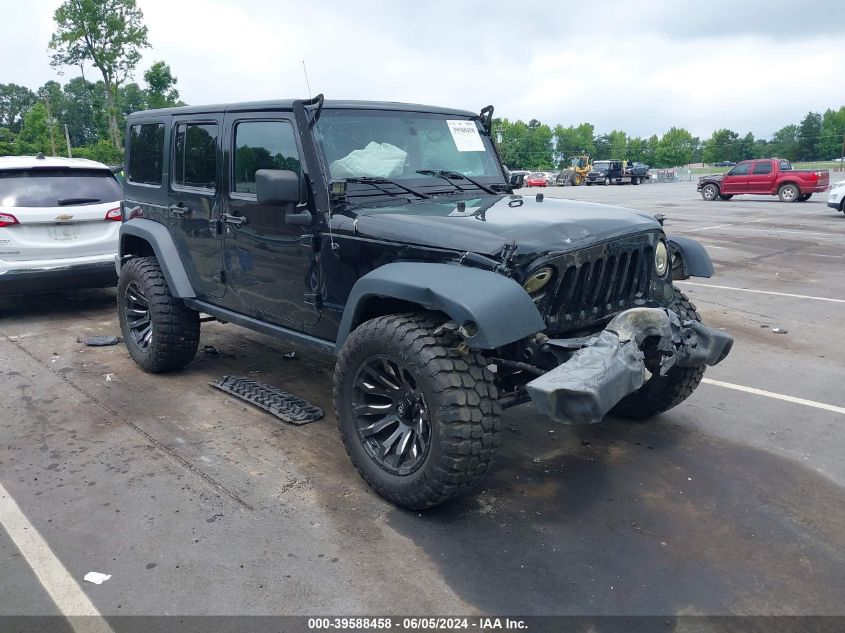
column 99, row 341
column 96, row 577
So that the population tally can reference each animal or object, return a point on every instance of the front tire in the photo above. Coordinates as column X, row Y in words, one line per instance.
column 710, row 192
column 789, row 193
column 160, row 332
column 661, row 393
column 419, row 420
column 607, row 181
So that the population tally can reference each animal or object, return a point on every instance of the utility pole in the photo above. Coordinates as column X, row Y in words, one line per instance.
column 67, row 140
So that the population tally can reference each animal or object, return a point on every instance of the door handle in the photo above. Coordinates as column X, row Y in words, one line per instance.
column 179, row 211
column 236, row 220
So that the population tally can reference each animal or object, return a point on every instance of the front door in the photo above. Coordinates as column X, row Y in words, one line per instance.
column 269, row 265
column 736, row 180
column 194, row 201
column 760, row 179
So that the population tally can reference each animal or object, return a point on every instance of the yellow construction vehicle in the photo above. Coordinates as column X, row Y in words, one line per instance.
column 576, row 173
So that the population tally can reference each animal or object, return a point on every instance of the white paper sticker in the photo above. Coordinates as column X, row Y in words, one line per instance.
column 465, row 135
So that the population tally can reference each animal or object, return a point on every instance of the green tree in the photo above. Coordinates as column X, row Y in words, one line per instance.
column 161, row 87
column 832, row 134
column 83, row 111
column 784, row 143
column 574, row 141
column 676, row 148
column 108, row 33
column 102, row 151
column 618, row 142
column 746, row 147
column 15, row 100
column 722, row 145
column 637, row 149
column 34, row 136
column 525, row 146
column 809, row 132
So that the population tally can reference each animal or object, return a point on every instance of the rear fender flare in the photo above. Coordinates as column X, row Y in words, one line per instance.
column 161, row 241
column 501, row 311
column 695, row 262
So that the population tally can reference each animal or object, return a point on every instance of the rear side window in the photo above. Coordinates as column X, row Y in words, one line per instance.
column 195, row 156
column 785, row 165
column 146, row 153
column 762, row 168
column 57, row 187
column 262, row 145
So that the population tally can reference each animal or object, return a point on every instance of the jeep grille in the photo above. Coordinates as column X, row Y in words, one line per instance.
column 597, row 282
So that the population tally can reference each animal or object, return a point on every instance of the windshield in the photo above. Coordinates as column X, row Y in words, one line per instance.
column 396, row 145
column 601, row 165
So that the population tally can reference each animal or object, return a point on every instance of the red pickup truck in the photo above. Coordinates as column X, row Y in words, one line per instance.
column 766, row 176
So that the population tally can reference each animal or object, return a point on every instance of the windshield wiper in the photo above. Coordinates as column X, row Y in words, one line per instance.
column 375, row 182
column 66, row 201
column 449, row 176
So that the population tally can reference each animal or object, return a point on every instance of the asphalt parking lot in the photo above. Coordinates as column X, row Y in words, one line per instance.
column 732, row 503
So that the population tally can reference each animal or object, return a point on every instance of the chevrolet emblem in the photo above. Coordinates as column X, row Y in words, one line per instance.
column 64, row 217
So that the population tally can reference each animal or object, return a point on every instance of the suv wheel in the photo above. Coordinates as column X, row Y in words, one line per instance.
column 661, row 393
column 788, row 193
column 607, row 181
column 710, row 192
column 419, row 420
column 161, row 333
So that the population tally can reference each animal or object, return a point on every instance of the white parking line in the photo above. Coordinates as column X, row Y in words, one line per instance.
column 56, row 580
column 761, row 292
column 776, row 396
column 818, row 255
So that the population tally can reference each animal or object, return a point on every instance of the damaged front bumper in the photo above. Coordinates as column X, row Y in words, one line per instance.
column 611, row 365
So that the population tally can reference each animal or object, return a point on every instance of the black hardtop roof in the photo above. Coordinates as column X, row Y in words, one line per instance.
column 287, row 104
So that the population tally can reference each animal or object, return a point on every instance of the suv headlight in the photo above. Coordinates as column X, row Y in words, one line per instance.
column 537, row 280
column 661, row 258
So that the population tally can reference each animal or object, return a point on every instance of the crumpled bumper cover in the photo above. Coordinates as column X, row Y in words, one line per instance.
column 611, row 364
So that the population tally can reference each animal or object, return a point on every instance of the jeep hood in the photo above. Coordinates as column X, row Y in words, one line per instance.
column 485, row 225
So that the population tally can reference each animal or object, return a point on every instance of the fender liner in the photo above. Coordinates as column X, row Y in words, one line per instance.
column 501, row 310
column 157, row 236
column 695, row 262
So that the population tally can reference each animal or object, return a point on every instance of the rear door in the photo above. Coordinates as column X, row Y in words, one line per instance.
column 58, row 213
column 194, row 204
column 736, row 180
column 761, row 177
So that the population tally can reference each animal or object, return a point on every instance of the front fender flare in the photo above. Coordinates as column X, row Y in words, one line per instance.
column 501, row 310
column 161, row 241
column 694, row 260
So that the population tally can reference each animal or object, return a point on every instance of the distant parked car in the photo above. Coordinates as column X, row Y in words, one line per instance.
column 536, row 180
column 724, row 163
column 59, row 223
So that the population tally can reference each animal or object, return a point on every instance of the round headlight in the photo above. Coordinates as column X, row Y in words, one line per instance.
column 537, row 280
column 661, row 258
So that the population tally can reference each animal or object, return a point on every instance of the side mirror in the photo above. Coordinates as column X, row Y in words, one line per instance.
column 278, row 187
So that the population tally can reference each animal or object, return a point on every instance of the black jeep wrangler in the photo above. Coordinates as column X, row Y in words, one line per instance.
column 388, row 235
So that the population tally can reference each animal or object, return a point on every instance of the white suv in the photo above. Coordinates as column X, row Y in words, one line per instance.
column 59, row 223
column 836, row 197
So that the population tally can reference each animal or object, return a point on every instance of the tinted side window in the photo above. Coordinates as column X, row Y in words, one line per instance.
column 740, row 170
column 262, row 145
column 195, row 155
column 762, row 168
column 146, row 153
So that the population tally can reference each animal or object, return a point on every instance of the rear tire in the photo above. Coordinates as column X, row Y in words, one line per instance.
column 710, row 192
column 419, row 420
column 635, row 180
column 804, row 197
column 725, row 196
column 607, row 181
column 661, row 393
column 160, row 332
column 789, row 193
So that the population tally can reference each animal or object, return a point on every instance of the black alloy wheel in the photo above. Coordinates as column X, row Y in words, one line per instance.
column 136, row 309
column 391, row 415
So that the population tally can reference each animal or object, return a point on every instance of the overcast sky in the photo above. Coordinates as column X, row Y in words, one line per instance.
column 639, row 66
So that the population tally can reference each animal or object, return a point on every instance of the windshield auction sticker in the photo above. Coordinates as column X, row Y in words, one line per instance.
column 465, row 135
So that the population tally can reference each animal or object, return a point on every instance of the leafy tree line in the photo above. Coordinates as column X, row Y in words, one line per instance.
column 535, row 145
column 109, row 36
